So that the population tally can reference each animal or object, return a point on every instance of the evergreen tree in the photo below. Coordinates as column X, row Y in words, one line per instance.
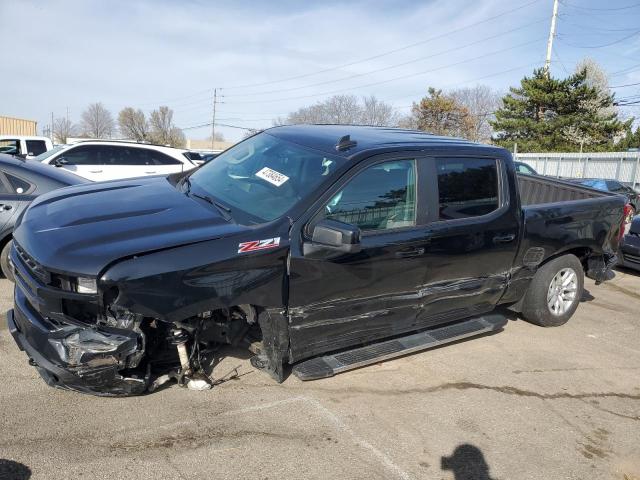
column 547, row 114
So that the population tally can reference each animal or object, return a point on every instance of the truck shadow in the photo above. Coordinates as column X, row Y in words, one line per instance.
column 466, row 463
column 10, row 470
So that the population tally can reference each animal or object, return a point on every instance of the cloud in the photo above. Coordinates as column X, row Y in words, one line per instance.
column 147, row 53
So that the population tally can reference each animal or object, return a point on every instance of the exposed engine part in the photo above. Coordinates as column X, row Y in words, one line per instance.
column 179, row 339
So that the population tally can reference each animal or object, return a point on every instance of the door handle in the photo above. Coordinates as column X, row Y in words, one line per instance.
column 95, row 171
column 414, row 252
column 5, row 207
column 152, row 171
column 504, row 238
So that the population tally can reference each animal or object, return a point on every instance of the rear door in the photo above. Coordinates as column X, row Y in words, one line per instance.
column 472, row 242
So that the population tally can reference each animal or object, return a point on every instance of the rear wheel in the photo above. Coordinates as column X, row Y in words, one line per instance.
column 5, row 265
column 554, row 293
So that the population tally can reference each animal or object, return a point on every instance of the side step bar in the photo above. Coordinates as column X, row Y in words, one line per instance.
column 330, row 365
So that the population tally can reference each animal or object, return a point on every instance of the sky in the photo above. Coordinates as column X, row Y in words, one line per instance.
column 269, row 58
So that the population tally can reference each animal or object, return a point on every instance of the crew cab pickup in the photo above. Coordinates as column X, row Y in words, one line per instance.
column 326, row 247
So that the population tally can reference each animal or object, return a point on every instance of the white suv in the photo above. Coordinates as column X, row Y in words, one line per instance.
column 100, row 160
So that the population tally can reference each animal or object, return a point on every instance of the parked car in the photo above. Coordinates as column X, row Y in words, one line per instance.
column 20, row 182
column 24, row 146
column 629, row 255
column 522, row 167
column 100, row 160
column 311, row 245
column 614, row 186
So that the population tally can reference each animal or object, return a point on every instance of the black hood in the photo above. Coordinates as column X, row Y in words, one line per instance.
column 83, row 229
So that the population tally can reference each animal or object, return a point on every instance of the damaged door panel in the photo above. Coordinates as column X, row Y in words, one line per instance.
column 298, row 242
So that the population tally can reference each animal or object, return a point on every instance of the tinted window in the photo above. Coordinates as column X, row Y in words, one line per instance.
column 124, row 156
column 10, row 147
column 36, row 147
column 18, row 185
column 468, row 187
column 381, row 197
column 157, row 158
column 3, row 189
column 522, row 168
column 85, row 155
column 615, row 186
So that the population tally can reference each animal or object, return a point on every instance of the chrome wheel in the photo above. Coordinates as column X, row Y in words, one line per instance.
column 562, row 291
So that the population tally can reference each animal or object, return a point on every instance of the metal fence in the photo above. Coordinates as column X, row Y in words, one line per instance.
column 622, row 166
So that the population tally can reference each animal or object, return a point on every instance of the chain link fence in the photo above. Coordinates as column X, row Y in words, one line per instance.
column 622, row 166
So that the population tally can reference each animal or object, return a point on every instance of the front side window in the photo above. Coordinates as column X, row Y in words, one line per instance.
column 264, row 176
column 467, row 187
column 84, row 155
column 381, row 197
column 36, row 147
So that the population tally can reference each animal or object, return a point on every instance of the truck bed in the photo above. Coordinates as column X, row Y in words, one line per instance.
column 538, row 190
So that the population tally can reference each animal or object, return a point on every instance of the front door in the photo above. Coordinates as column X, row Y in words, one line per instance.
column 341, row 299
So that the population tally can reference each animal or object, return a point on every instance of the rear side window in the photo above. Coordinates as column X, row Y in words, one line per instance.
column 3, row 188
column 10, row 147
column 381, row 197
column 467, row 187
column 36, row 147
column 18, row 185
column 158, row 158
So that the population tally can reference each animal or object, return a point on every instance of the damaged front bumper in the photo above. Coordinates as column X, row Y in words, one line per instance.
column 69, row 354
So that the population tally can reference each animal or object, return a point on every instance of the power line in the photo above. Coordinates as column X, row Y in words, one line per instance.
column 383, row 54
column 390, row 67
column 604, row 44
column 626, row 85
column 580, row 7
column 401, row 77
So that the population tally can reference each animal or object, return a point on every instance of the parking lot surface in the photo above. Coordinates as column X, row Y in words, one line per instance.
column 526, row 403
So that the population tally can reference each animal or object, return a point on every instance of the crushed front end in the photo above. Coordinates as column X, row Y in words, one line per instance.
column 80, row 338
column 71, row 350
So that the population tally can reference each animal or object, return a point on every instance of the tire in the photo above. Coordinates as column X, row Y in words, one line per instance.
column 5, row 266
column 547, row 302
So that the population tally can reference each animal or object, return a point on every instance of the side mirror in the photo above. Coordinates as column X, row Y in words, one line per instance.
column 60, row 161
column 334, row 235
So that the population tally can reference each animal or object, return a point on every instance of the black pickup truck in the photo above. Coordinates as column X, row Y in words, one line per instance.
column 327, row 247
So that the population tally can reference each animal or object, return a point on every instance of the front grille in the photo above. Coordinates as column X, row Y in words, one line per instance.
column 34, row 267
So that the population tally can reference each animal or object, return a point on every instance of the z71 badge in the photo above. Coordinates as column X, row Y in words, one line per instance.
column 254, row 245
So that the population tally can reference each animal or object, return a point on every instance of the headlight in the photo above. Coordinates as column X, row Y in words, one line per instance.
column 87, row 285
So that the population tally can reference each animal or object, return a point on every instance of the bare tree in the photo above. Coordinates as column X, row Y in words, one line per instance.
column 63, row 128
column 344, row 110
column 97, row 121
column 578, row 136
column 163, row 130
column 377, row 113
column 133, row 124
column 481, row 102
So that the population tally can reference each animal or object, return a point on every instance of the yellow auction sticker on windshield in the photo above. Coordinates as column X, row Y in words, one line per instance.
column 271, row 176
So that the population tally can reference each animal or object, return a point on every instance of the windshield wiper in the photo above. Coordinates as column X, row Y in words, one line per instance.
column 223, row 209
column 187, row 182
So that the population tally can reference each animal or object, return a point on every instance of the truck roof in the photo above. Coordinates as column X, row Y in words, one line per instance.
column 327, row 138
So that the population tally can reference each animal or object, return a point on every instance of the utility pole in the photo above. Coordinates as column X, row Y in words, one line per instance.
column 51, row 131
column 213, row 120
column 552, row 34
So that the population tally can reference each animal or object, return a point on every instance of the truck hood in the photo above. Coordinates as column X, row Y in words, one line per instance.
column 82, row 229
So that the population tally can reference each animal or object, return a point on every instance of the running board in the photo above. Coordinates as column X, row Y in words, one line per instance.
column 329, row 365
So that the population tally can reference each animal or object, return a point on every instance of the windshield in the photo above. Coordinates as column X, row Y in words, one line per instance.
column 48, row 153
column 264, row 176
